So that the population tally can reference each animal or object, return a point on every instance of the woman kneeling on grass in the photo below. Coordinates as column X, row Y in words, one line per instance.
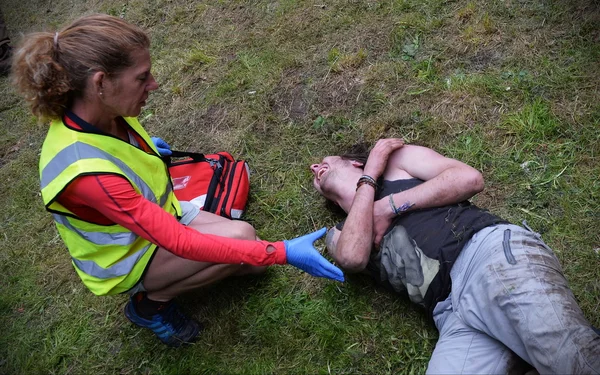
column 103, row 179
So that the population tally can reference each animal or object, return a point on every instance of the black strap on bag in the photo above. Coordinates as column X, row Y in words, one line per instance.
column 214, row 182
column 196, row 157
column 182, row 154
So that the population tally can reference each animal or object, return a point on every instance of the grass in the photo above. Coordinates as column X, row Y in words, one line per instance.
column 509, row 87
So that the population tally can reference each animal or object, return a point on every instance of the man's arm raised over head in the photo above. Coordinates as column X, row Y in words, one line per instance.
column 447, row 181
column 351, row 248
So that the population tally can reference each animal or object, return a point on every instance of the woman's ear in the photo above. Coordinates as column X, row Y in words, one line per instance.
column 98, row 80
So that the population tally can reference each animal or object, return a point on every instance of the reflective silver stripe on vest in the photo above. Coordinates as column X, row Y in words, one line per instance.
column 98, row 238
column 78, row 151
column 118, row 269
column 165, row 196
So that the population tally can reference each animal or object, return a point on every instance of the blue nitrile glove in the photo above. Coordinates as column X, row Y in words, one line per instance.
column 301, row 253
column 163, row 147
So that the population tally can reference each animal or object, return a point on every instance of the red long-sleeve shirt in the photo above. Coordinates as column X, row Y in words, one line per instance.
column 110, row 199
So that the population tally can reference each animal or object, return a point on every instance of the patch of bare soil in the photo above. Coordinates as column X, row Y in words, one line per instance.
column 338, row 92
column 10, row 153
column 291, row 98
column 482, row 58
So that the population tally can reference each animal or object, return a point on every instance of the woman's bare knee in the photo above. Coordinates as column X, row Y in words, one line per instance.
column 242, row 230
column 224, row 227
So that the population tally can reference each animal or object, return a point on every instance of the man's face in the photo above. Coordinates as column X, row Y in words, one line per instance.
column 326, row 174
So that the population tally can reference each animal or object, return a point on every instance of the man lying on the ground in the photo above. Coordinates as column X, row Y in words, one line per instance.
column 492, row 288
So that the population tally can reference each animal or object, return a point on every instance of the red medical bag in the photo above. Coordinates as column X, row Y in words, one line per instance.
column 216, row 183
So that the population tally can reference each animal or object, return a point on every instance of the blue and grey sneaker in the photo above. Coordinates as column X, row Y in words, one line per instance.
column 169, row 325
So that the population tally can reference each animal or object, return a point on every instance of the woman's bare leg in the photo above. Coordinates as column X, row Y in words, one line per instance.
column 169, row 275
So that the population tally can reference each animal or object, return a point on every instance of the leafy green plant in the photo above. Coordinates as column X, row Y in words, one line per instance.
column 410, row 48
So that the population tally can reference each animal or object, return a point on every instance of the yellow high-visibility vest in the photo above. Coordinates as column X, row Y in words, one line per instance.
column 109, row 259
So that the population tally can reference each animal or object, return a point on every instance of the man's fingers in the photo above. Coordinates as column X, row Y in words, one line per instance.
column 386, row 146
column 396, row 143
column 387, row 142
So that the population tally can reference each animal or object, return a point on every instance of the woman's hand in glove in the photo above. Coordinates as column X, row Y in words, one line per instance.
column 163, row 147
column 301, row 253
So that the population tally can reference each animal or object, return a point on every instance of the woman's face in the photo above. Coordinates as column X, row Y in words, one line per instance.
column 126, row 93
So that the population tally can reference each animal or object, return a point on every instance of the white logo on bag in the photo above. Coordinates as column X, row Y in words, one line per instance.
column 181, row 182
